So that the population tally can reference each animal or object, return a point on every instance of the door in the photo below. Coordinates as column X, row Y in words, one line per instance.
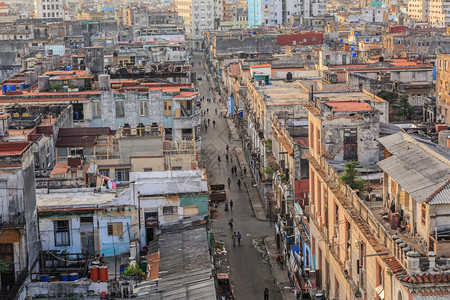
column 87, row 242
column 7, row 272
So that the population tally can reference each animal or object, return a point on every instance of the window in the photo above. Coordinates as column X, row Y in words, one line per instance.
column 119, row 109
column 115, row 228
column 176, row 168
column 62, row 235
column 424, row 213
column 104, row 172
column 148, row 169
column 170, row 210
column 317, row 141
column 122, row 174
column 143, row 108
column 167, row 108
column 188, row 105
column 96, row 110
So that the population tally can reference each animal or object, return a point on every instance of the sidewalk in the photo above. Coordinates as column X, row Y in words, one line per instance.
column 281, row 276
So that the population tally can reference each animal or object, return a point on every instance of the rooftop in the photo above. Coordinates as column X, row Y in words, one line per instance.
column 418, row 169
column 73, row 198
column 280, row 92
column 348, row 106
column 13, row 148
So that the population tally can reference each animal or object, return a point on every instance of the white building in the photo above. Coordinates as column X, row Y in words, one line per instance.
column 45, row 9
column 279, row 12
column 198, row 15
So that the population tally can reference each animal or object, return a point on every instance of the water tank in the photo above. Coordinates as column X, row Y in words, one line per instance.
column 43, row 83
column 103, row 273
column 289, row 77
column 104, row 82
column 30, row 78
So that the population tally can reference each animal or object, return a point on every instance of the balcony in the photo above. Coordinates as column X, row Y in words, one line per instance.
column 187, row 122
column 179, row 147
column 12, row 221
column 141, row 130
column 284, row 184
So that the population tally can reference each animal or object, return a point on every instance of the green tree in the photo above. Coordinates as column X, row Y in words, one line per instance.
column 134, row 270
column 55, row 86
column 351, row 176
column 389, row 96
column 403, row 108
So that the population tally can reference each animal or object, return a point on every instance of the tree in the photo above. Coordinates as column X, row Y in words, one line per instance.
column 389, row 96
column 403, row 108
column 351, row 176
column 55, row 86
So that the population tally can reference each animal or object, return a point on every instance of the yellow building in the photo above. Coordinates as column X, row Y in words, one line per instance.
column 355, row 252
column 443, row 87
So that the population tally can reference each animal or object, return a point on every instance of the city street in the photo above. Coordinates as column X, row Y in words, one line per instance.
column 248, row 271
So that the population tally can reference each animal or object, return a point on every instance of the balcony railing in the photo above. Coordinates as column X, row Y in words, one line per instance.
column 125, row 131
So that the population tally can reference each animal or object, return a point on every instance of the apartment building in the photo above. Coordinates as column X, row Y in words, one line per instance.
column 443, row 88
column 198, row 15
column 360, row 250
column 435, row 12
column 47, row 9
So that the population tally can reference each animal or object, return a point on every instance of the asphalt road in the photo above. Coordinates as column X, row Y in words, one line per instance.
column 248, row 271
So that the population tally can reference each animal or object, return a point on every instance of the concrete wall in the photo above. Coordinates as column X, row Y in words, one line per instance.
column 66, row 290
column 111, row 245
column 9, row 61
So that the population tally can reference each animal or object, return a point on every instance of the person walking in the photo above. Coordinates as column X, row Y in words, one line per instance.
column 207, row 111
column 239, row 237
column 234, row 236
column 239, row 184
column 231, row 204
column 229, row 182
column 235, row 170
column 219, row 158
column 245, row 171
column 209, row 121
column 278, row 259
column 232, row 171
column 214, row 123
column 228, row 148
column 206, row 128
column 231, row 158
column 216, row 108
column 266, row 293
column 226, row 156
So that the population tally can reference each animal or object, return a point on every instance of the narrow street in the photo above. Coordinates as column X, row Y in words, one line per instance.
column 248, row 272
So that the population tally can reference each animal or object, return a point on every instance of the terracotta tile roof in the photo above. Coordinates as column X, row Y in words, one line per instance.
column 87, row 131
column 76, row 141
column 186, row 94
column 342, row 106
column 13, row 148
column 260, row 66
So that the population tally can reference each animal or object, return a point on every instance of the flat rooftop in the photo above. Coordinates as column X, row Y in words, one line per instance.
column 349, row 96
column 73, row 198
column 283, row 93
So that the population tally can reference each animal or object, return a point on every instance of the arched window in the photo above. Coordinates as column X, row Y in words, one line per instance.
column 399, row 297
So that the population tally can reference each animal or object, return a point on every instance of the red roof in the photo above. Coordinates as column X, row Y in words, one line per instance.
column 302, row 141
column 3, row 4
column 234, row 70
column 186, row 94
column 13, row 148
column 342, row 106
column 76, row 141
column 260, row 66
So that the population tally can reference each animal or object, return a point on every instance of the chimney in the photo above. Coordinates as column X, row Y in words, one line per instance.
column 432, row 259
column 413, row 263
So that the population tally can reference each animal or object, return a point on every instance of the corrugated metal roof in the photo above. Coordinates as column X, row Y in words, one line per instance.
column 418, row 169
column 441, row 196
column 76, row 141
column 87, row 131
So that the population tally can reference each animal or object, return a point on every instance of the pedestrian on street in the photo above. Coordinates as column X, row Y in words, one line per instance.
column 216, row 111
column 209, row 121
column 219, row 158
column 245, row 171
column 206, row 128
column 239, row 237
column 229, row 182
column 239, row 183
column 234, row 236
column 282, row 263
column 231, row 204
column 226, row 157
column 232, row 171
column 253, row 181
column 278, row 259
column 266, row 293
column 228, row 148
column 235, row 170
column 214, row 123
column 207, row 111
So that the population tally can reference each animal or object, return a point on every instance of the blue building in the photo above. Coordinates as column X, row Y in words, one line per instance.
column 254, row 13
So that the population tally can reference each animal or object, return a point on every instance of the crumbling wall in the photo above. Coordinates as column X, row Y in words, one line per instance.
column 108, row 109
column 155, row 105
column 131, row 107
column 65, row 290
column 9, row 59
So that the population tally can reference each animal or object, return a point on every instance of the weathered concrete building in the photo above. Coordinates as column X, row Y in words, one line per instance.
column 442, row 88
column 18, row 235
